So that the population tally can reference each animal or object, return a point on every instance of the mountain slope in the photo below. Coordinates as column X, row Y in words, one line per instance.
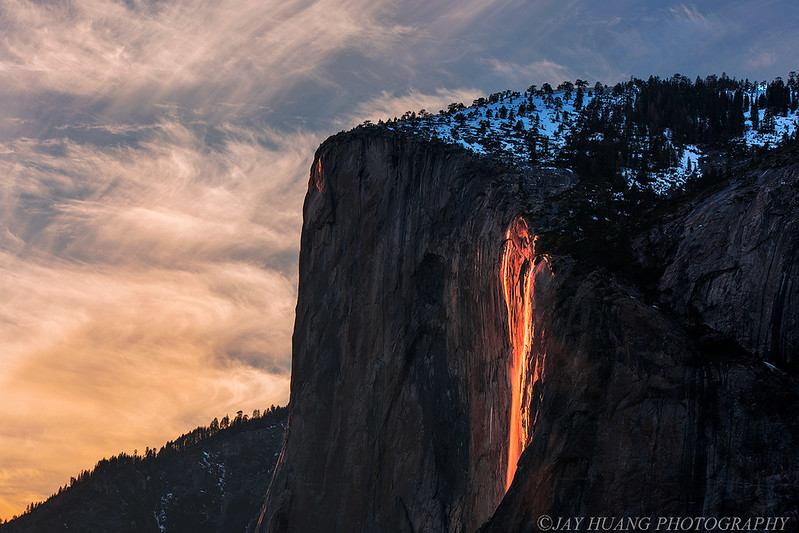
column 212, row 479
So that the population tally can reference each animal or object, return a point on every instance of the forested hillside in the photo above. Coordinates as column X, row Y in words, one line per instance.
column 212, row 478
column 639, row 137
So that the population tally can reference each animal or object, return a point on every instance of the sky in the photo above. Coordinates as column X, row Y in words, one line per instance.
column 154, row 156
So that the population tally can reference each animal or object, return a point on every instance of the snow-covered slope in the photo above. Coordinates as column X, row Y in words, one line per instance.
column 540, row 126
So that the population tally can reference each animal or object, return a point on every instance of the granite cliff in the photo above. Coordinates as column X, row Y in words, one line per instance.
column 450, row 373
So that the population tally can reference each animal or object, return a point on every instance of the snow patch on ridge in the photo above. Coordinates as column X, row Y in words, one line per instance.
column 507, row 124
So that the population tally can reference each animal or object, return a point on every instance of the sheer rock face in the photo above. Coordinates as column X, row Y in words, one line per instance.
column 400, row 385
column 736, row 264
column 635, row 421
column 402, row 365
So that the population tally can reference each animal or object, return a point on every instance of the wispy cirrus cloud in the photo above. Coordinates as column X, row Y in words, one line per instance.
column 387, row 105
column 148, row 288
column 102, row 60
column 544, row 69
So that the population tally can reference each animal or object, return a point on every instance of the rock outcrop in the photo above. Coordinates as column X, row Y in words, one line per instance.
column 735, row 265
column 433, row 343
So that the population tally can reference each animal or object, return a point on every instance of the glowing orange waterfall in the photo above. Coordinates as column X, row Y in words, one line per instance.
column 316, row 175
column 517, row 284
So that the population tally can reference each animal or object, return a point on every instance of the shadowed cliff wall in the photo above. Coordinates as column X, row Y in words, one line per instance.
column 400, row 394
column 404, row 365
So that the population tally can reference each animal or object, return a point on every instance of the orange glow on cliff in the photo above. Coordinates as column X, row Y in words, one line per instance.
column 316, row 175
column 517, row 285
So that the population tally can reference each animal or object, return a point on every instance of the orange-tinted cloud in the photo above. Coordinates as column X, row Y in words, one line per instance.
column 145, row 291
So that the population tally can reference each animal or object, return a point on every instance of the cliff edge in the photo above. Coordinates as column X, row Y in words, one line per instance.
column 447, row 375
